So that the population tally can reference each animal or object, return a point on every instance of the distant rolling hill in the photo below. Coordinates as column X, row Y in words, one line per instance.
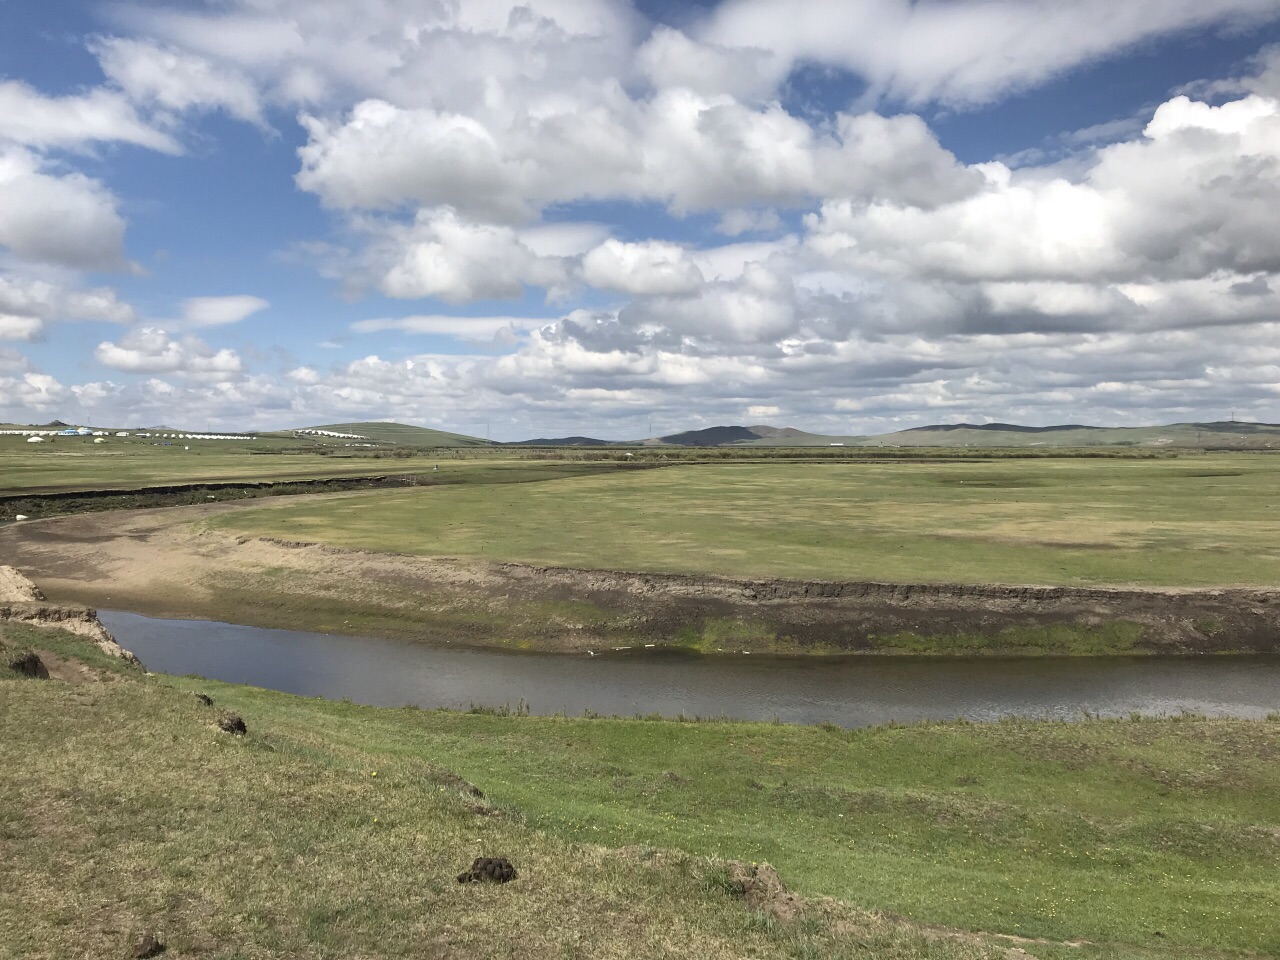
column 402, row 434
column 757, row 436
column 561, row 442
column 711, row 437
column 1230, row 434
column 1221, row 434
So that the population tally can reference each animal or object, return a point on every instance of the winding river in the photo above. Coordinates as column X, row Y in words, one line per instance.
column 851, row 692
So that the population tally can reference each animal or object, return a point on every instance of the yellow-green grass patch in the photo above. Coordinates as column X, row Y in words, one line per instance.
column 1213, row 520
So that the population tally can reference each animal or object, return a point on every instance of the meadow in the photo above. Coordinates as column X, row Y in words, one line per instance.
column 334, row 830
column 74, row 464
column 1200, row 520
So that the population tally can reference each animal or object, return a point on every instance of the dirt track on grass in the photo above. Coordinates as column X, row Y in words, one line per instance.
column 157, row 562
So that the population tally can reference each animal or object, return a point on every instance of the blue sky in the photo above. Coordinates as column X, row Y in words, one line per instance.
column 578, row 216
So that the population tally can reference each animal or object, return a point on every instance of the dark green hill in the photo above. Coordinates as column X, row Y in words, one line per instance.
column 711, row 437
column 401, row 434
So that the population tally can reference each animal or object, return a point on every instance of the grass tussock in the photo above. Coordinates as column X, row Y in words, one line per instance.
column 333, row 830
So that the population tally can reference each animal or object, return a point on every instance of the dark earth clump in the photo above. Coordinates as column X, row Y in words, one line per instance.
column 447, row 778
column 29, row 665
column 491, row 869
column 232, row 723
column 205, row 699
column 148, row 946
column 763, row 890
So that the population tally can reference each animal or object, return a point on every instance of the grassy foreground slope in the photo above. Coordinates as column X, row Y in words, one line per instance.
column 124, row 812
column 333, row 830
column 1201, row 521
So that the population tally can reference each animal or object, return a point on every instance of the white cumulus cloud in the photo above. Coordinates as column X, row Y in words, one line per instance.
column 27, row 117
column 48, row 216
column 29, row 303
column 17, row 327
column 151, row 350
column 964, row 51
column 176, row 80
column 653, row 267
column 220, row 311
column 443, row 255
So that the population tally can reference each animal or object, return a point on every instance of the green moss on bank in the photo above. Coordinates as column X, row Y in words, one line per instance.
column 1118, row 637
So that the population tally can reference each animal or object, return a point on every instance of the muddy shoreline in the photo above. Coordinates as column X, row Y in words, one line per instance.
column 161, row 563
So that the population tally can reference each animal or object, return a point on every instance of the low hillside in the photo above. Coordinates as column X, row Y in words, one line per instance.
column 402, row 434
column 1218, row 435
column 712, row 437
column 1225, row 434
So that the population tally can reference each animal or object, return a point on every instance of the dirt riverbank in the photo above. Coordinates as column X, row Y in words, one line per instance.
column 22, row 602
column 160, row 563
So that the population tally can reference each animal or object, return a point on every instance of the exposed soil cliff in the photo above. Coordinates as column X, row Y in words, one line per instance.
column 22, row 602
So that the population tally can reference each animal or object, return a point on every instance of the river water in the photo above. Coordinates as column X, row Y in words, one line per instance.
column 851, row 692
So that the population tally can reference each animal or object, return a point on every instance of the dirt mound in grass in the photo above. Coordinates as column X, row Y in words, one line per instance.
column 231, row 723
column 29, row 664
column 764, row 890
column 450, row 780
column 489, row 870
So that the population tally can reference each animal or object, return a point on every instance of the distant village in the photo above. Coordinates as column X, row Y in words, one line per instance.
column 43, row 434
column 57, row 429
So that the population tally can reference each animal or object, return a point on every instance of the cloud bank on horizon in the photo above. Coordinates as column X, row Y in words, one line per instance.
column 569, row 216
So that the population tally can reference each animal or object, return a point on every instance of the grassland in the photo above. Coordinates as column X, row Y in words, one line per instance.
column 73, row 464
column 334, row 830
column 1201, row 521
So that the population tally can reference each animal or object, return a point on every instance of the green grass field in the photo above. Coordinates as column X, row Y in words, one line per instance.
column 334, row 830
column 76, row 464
column 1197, row 521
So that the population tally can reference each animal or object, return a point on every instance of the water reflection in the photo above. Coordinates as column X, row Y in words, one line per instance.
column 851, row 692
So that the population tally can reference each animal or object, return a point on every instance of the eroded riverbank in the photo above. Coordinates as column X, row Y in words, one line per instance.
column 162, row 563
